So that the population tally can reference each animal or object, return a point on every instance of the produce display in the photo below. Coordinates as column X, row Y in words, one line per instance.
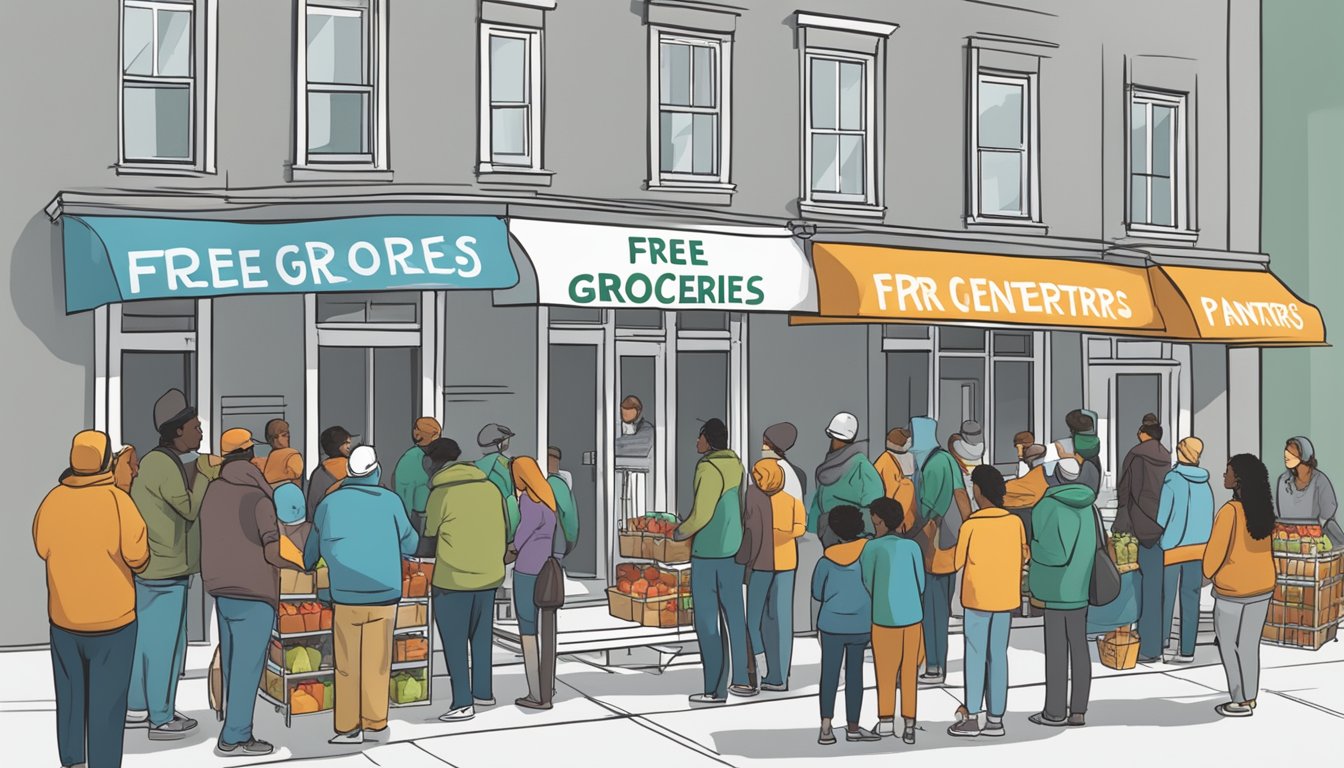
column 307, row 616
column 649, row 537
column 1125, row 551
column 656, row 523
column 651, row 596
column 408, row 687
column 311, row 696
column 1309, row 588
column 1300, row 540
column 416, row 578
column 413, row 648
column 645, row 581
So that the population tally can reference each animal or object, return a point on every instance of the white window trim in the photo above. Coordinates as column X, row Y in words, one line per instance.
column 722, row 181
column 828, row 202
column 533, row 38
column 1031, row 183
column 204, row 37
column 1180, row 228
column 376, row 49
column 843, row 24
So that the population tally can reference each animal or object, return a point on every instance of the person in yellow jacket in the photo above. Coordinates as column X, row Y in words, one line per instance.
column 1240, row 562
column 283, row 464
column 991, row 550
column 773, row 520
column 92, row 538
column 896, row 467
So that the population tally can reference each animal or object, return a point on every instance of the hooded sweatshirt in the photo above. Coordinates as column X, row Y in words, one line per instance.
column 496, row 468
column 568, row 512
column 361, row 530
column 716, row 513
column 290, row 511
column 1185, row 513
column 327, row 474
column 240, row 539
column 940, row 477
column 410, row 479
column 1140, row 490
column 466, row 515
column 772, row 522
column 893, row 573
column 92, row 538
column 1239, row 566
column 168, row 495
column 783, row 437
column 837, row 583
column 1063, row 547
column 845, row 477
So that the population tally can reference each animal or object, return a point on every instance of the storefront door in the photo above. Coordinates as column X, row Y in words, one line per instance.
column 372, row 392
column 1121, row 394
column 574, row 423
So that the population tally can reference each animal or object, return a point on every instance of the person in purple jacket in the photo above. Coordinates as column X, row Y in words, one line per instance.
column 533, row 543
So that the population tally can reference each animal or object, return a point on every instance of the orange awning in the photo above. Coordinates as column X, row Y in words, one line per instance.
column 1239, row 307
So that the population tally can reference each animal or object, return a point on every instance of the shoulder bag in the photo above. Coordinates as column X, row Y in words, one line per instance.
column 1105, row 584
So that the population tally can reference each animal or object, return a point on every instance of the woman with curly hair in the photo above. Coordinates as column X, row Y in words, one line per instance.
column 1240, row 563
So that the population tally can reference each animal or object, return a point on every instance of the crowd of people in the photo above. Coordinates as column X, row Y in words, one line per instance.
column 122, row 537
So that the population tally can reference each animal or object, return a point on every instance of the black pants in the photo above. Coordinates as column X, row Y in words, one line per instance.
column 93, row 675
column 1065, row 651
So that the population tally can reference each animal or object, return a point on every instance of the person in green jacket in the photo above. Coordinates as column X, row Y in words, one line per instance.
column 845, row 478
column 410, row 478
column 940, row 491
column 568, row 510
column 465, row 516
column 493, row 439
column 168, row 492
column 1063, row 552
column 715, row 524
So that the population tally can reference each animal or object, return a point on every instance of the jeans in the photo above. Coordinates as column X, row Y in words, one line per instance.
column 987, row 661
column 466, row 620
column 1185, row 580
column 1066, row 651
column 244, row 633
column 362, row 650
column 770, row 621
column 92, row 674
column 160, row 646
column 524, row 602
column 937, row 614
column 1239, row 625
column 716, row 590
column 849, row 649
column 1152, row 580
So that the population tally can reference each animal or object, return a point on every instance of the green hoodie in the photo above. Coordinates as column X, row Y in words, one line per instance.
column 410, row 481
column 716, row 514
column 170, row 512
column 465, row 514
column 1063, row 547
column 496, row 468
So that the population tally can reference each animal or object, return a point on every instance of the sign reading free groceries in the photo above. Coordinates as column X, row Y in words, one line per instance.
column 110, row 259
column 740, row 269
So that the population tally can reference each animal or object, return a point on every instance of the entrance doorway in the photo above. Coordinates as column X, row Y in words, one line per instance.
column 1121, row 394
column 371, row 391
column 573, row 425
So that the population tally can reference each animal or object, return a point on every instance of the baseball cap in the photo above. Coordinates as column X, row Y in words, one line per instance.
column 234, row 440
column 845, row 426
column 363, row 461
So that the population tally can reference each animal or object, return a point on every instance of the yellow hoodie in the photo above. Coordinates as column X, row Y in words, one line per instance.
column 1238, row 565
column 789, row 516
column 93, row 539
column 992, row 548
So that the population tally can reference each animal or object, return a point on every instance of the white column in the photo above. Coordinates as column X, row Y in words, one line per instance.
column 206, row 405
column 311, row 448
column 1243, row 401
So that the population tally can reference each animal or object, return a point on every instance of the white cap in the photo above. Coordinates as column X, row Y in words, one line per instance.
column 1068, row 468
column 363, row 460
column 845, row 426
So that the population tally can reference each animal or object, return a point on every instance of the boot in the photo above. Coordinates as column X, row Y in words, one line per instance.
column 546, row 652
column 532, row 669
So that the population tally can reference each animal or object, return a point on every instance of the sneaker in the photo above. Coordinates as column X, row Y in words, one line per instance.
column 375, row 734
column 701, row 699
column 1149, row 659
column 859, row 734
column 137, row 719
column 909, row 735
column 530, row 703
column 826, row 737
column 931, row 679
column 885, row 728
column 458, row 715
column 1040, row 718
column 1077, row 720
column 174, row 729
column 774, row 688
column 354, row 737
column 967, row 728
column 249, row 748
column 993, row 728
column 1233, row 709
column 743, row 691
column 485, row 702
column 1179, row 658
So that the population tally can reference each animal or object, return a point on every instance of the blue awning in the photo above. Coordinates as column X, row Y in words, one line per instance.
column 111, row 259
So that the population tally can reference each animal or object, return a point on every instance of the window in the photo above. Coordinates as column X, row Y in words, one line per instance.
column 1003, row 158
column 161, row 102
column 401, row 307
column 691, row 145
column 839, row 128
column 511, row 97
column 1156, row 160
column 341, row 104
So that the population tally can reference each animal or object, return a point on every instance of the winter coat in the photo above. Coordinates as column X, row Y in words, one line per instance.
column 410, row 480
column 1185, row 513
column 893, row 573
column 837, row 583
column 1023, row 492
column 168, row 495
column 240, row 538
column 1239, row 566
column 92, row 539
column 362, row 531
column 772, row 522
column 1140, row 490
column 783, row 437
column 496, row 469
column 991, row 551
column 1063, row 547
column 327, row 474
column 281, row 465
column 716, row 513
column 466, row 514
column 846, row 477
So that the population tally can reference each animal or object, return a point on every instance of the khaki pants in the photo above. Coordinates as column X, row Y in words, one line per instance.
column 897, row 652
column 363, row 654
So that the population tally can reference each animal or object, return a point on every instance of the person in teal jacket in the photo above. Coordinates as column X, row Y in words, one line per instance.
column 1063, row 553
column 1185, row 512
column 566, row 507
column 410, row 478
column 494, row 440
column 845, row 478
column 715, row 524
column 893, row 573
column 940, row 490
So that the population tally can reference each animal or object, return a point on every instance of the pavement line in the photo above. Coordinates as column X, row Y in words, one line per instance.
column 1306, row 703
column 431, row 754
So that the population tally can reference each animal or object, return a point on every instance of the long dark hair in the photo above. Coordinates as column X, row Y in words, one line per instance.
column 1254, row 494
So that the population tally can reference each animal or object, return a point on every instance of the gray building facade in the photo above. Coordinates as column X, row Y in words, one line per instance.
column 1084, row 132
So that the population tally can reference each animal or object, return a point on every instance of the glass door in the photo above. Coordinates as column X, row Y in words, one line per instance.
column 641, row 412
column 371, row 391
column 1121, row 394
column 574, row 423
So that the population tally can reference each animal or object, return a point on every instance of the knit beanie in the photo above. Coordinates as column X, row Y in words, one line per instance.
column 1190, row 449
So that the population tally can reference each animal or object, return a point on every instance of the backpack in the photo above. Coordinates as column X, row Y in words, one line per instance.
column 215, row 678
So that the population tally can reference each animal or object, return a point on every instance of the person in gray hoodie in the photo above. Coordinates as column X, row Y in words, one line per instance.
column 1137, row 496
column 846, row 477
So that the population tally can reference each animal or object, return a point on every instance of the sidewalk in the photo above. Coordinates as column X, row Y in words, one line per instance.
column 618, row 717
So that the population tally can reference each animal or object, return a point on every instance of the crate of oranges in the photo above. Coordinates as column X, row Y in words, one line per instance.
column 645, row 595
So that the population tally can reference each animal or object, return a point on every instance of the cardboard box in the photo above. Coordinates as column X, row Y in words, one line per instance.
column 297, row 582
column 1272, row 634
column 291, row 624
column 1119, row 649
column 274, row 687
column 323, row 578
column 631, row 544
column 667, row 550
column 412, row 615
column 620, row 605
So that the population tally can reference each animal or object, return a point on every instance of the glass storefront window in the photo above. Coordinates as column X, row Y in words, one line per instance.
column 702, row 321
column 953, row 338
column 172, row 315
column 640, row 319
column 1014, row 408
column 702, row 393
column 902, row 331
column 961, row 394
column 907, row 388
column 145, row 376
column 385, row 307
column 1015, row 344
column 567, row 315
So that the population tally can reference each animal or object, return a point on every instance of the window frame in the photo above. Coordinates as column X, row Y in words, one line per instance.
column 374, row 62
column 1031, row 177
column 533, row 38
column 200, row 86
column 868, row 198
column 1180, row 203
column 722, row 44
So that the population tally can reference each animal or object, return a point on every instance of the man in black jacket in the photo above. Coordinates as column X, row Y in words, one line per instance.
column 1137, row 496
